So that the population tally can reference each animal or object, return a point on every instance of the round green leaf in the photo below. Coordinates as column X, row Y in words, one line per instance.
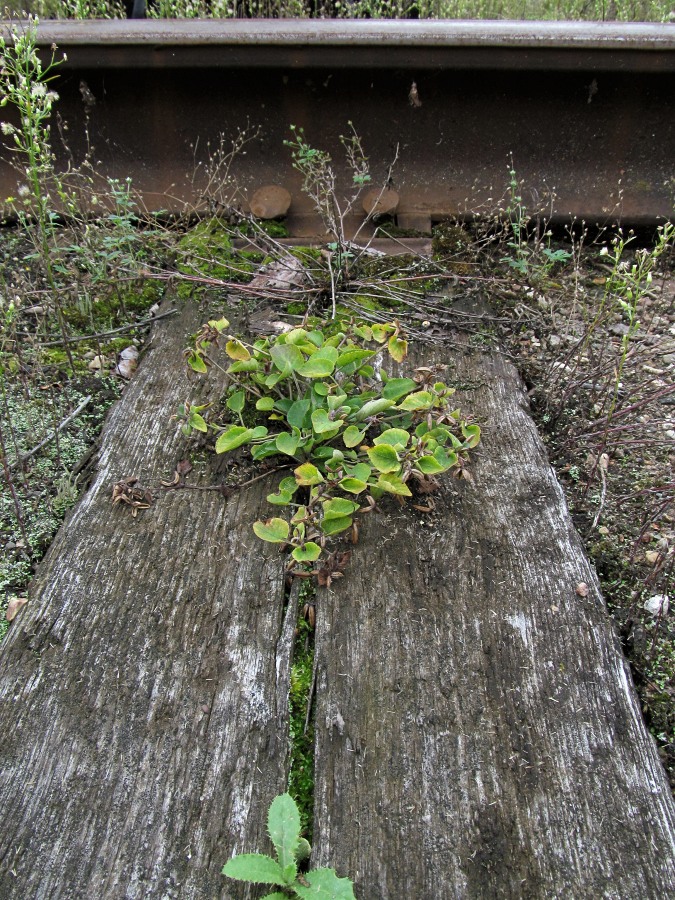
column 320, row 365
column 297, row 413
column 338, row 507
column 398, row 349
column 372, row 408
column 286, row 358
column 362, row 471
column 196, row 363
column 275, row 531
column 236, row 350
column 353, row 436
column 233, row 437
column 418, row 400
column 281, row 499
column 472, row 435
column 197, row 422
column 335, row 526
column 236, row 401
column 307, row 475
column 321, row 423
column 393, row 484
column 353, row 485
column 397, row 437
column 265, row 403
column 446, row 458
column 287, row 443
column 429, row 465
column 385, row 458
column 396, row 388
column 307, row 553
column 245, row 365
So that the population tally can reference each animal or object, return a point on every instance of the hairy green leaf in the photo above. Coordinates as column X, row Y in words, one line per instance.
column 283, row 825
column 255, row 867
column 324, row 884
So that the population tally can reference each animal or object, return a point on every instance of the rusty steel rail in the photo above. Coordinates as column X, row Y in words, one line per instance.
column 586, row 110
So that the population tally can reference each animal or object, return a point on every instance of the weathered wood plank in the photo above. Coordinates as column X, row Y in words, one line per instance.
column 143, row 730
column 478, row 735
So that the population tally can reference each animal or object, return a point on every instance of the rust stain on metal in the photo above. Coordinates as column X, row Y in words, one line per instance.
column 489, row 90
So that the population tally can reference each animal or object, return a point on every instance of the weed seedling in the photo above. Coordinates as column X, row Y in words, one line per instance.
column 283, row 826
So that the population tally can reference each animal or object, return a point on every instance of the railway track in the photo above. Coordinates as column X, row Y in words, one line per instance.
column 586, row 111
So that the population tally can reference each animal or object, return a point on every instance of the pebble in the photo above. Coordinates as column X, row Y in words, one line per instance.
column 380, row 203
column 270, row 202
column 619, row 329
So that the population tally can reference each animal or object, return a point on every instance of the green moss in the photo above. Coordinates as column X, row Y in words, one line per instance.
column 450, row 239
column 274, row 227
column 301, row 775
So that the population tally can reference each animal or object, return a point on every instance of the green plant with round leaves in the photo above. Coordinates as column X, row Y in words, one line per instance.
column 283, row 826
column 350, row 433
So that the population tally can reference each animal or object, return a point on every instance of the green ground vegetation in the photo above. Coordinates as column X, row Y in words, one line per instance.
column 572, row 10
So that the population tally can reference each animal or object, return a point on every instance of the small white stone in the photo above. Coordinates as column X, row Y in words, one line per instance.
column 657, row 605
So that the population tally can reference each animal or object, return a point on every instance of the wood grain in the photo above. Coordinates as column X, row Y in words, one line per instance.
column 478, row 734
column 143, row 730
